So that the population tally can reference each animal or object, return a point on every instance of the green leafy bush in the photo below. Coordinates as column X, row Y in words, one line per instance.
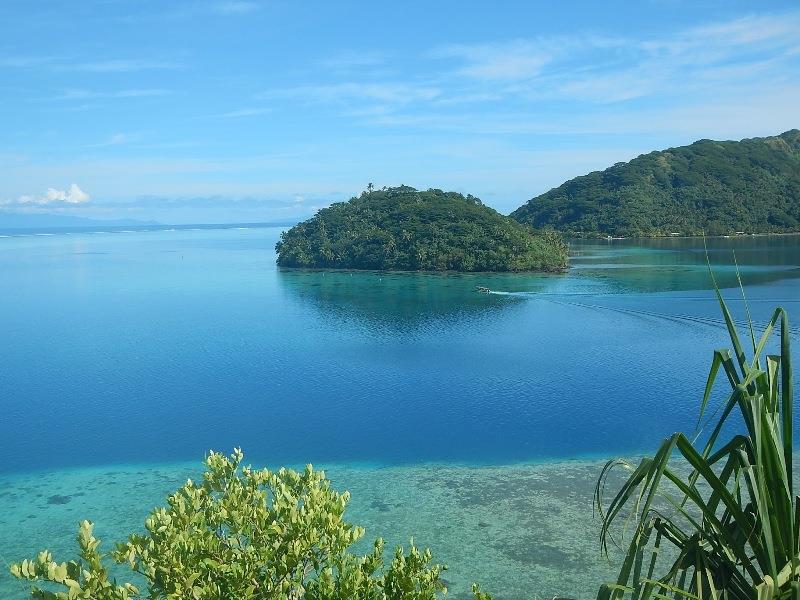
column 243, row 534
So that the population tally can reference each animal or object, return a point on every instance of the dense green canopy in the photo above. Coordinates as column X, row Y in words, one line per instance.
column 409, row 230
column 717, row 187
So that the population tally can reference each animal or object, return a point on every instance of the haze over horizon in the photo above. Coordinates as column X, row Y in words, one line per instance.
column 240, row 111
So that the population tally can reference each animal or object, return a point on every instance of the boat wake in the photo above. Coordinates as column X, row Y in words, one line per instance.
column 714, row 322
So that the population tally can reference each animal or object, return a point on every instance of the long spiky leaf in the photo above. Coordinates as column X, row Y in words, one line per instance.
column 736, row 525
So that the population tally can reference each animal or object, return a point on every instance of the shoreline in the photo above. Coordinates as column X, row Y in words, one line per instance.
column 11, row 232
column 605, row 238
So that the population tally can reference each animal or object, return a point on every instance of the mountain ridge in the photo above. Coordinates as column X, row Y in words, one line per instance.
column 712, row 187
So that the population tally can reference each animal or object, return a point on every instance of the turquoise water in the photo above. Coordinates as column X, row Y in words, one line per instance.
column 463, row 419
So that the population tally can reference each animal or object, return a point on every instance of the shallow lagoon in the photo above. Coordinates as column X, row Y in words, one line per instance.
column 131, row 354
column 513, row 528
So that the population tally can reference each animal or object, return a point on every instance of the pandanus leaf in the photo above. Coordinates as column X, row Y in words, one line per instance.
column 732, row 531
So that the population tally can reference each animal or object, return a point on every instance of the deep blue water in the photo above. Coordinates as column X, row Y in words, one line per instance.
column 156, row 346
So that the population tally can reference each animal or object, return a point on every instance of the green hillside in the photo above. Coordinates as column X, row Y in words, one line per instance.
column 409, row 230
column 717, row 187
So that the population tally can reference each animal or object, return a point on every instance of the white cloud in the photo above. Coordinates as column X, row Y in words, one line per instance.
column 73, row 195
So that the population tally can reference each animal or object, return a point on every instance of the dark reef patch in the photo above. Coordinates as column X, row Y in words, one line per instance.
column 58, row 499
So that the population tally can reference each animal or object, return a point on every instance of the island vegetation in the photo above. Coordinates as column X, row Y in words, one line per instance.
column 402, row 229
column 720, row 188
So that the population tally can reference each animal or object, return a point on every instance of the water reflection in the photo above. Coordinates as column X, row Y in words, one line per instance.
column 402, row 300
column 661, row 265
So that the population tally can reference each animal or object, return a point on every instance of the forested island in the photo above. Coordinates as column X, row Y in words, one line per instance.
column 719, row 188
column 403, row 229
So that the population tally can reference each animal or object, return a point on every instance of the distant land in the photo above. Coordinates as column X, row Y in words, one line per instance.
column 9, row 220
column 23, row 223
column 720, row 188
column 403, row 229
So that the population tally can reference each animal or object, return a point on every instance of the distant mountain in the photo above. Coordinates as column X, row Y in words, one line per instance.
column 718, row 187
column 10, row 220
column 402, row 229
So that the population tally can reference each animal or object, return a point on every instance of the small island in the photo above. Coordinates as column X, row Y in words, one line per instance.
column 403, row 229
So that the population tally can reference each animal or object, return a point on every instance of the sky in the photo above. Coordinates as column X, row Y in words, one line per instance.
column 245, row 111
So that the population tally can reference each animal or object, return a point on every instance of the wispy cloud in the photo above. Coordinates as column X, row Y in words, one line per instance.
column 242, row 112
column 600, row 69
column 765, row 30
column 23, row 62
column 117, row 139
column 504, row 61
column 120, row 65
column 81, row 94
column 744, row 113
column 350, row 60
column 233, row 7
column 67, row 63
column 395, row 93
column 584, row 68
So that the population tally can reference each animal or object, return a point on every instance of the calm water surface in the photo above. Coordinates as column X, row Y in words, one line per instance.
column 157, row 346
column 139, row 351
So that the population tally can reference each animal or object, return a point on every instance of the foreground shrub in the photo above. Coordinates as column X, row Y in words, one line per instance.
column 243, row 534
column 730, row 529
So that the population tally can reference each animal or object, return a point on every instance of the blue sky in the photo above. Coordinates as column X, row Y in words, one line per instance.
column 224, row 111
